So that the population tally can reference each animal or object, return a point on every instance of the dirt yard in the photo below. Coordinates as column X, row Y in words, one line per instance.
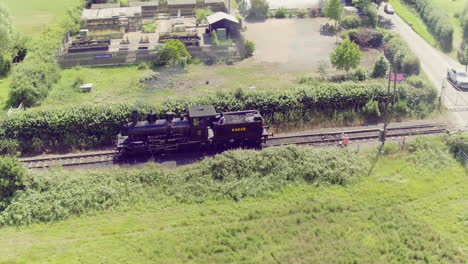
column 293, row 44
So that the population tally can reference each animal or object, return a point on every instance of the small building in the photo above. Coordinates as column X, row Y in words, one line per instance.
column 113, row 18
column 148, row 9
column 221, row 20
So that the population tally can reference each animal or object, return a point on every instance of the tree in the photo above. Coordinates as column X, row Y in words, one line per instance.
column 5, row 39
column 11, row 179
column 334, row 10
column 346, row 56
column 202, row 13
column 173, row 53
column 259, row 9
column 381, row 67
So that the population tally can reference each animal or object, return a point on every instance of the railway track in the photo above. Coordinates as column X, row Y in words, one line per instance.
column 324, row 138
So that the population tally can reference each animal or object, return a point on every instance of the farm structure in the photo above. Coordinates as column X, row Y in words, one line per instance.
column 113, row 18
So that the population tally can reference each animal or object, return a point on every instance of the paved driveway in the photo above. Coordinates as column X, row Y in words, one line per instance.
column 435, row 64
column 294, row 44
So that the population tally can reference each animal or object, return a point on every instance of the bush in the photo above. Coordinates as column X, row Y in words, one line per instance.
column 430, row 152
column 173, row 53
column 149, row 27
column 202, row 13
column 302, row 13
column 249, row 48
column 233, row 175
column 360, row 74
column 5, row 64
column 381, row 67
column 11, row 179
column 281, row 13
column 411, row 65
column 258, row 9
column 351, row 21
column 371, row 109
column 8, row 147
column 390, row 149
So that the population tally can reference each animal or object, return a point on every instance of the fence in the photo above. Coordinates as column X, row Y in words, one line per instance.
column 463, row 157
column 118, row 58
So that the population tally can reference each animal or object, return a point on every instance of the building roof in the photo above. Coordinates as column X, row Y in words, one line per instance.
column 181, row 2
column 218, row 16
column 107, row 5
column 152, row 3
column 202, row 111
column 103, row 13
column 215, row 1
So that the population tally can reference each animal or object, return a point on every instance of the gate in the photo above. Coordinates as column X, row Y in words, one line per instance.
column 453, row 99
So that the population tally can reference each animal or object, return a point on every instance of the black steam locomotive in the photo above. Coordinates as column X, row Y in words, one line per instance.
column 201, row 129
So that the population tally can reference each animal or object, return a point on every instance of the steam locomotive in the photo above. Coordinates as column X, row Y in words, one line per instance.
column 201, row 129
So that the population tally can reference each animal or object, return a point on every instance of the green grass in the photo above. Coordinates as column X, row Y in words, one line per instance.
column 453, row 7
column 399, row 214
column 121, row 84
column 4, row 89
column 411, row 17
column 32, row 16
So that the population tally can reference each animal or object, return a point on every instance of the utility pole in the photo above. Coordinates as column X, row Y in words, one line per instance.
column 387, row 115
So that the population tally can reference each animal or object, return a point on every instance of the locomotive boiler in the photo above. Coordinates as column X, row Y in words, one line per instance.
column 202, row 128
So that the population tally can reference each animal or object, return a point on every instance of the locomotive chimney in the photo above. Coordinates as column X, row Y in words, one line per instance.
column 135, row 117
column 170, row 117
column 151, row 118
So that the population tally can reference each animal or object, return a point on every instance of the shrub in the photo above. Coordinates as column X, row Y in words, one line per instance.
column 214, row 38
column 281, row 13
column 302, row 13
column 430, row 152
column 351, row 21
column 11, row 179
column 258, row 9
column 314, row 12
column 8, row 147
column 361, row 74
column 371, row 109
column 411, row 65
column 202, row 13
column 149, row 27
column 381, row 67
column 390, row 149
column 173, row 53
column 249, row 48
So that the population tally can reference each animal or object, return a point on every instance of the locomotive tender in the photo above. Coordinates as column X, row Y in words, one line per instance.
column 202, row 129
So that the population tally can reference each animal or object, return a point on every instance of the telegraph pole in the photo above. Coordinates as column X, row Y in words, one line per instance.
column 387, row 115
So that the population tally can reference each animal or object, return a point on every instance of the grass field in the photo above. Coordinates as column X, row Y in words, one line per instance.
column 451, row 7
column 398, row 214
column 121, row 84
column 32, row 16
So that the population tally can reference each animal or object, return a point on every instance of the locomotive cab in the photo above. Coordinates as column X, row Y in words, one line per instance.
column 200, row 120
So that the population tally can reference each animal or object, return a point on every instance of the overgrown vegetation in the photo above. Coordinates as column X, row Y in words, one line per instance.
column 438, row 22
column 11, row 179
column 233, row 175
column 95, row 126
column 173, row 53
column 149, row 26
column 202, row 13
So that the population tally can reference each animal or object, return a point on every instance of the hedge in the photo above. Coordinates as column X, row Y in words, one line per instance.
column 92, row 126
column 437, row 21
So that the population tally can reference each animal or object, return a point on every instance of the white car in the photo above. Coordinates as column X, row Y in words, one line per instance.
column 389, row 9
column 458, row 78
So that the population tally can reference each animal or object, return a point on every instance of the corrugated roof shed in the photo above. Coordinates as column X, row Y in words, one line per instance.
column 107, row 5
column 214, row 1
column 152, row 3
column 181, row 2
column 218, row 16
column 103, row 13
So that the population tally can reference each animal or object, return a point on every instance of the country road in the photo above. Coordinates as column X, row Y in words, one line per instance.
column 434, row 63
